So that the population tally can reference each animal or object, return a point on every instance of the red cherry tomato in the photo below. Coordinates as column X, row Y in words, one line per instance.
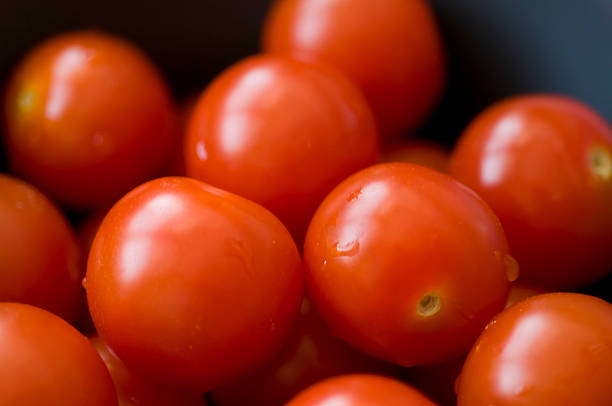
column 132, row 390
column 424, row 153
column 391, row 48
column 310, row 355
column 401, row 258
column 40, row 262
column 45, row 361
column 281, row 133
column 552, row 349
column 544, row 164
column 87, row 117
column 192, row 286
column 360, row 390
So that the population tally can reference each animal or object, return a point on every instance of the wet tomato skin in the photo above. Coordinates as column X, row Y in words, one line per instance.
column 551, row 349
column 400, row 257
column 192, row 286
column 87, row 117
column 40, row 261
column 282, row 133
column 360, row 390
column 544, row 165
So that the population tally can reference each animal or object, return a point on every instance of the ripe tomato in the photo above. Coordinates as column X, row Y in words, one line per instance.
column 360, row 390
column 40, row 262
column 281, row 133
column 552, row 349
column 544, row 164
column 399, row 258
column 424, row 153
column 391, row 48
column 132, row 390
column 87, row 117
column 45, row 361
column 192, row 286
column 310, row 355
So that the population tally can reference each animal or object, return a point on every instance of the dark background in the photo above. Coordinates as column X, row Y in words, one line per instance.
column 497, row 48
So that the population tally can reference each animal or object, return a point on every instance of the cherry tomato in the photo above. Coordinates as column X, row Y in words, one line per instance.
column 424, row 153
column 132, row 390
column 192, row 286
column 310, row 355
column 400, row 258
column 281, row 133
column 544, row 164
column 45, row 361
column 360, row 390
column 552, row 349
column 40, row 263
column 87, row 117
column 391, row 48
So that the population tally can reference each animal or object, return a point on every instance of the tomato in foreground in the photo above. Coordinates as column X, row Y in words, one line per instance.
column 391, row 48
column 310, row 355
column 132, row 390
column 551, row 349
column 40, row 262
column 45, row 361
column 544, row 164
column 282, row 133
column 192, row 286
column 424, row 153
column 360, row 390
column 401, row 258
column 87, row 117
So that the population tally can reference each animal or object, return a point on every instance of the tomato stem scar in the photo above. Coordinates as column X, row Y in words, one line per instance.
column 428, row 305
column 600, row 162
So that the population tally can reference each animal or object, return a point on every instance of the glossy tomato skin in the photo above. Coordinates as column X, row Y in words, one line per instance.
column 391, row 48
column 45, row 361
column 133, row 390
column 399, row 258
column 192, row 286
column 87, row 117
column 40, row 262
column 360, row 390
column 282, row 133
column 310, row 355
column 551, row 349
column 544, row 164
column 424, row 153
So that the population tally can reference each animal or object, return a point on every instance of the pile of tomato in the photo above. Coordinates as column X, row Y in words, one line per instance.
column 284, row 239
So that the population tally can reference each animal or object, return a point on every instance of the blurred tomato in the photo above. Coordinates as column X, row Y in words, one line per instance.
column 406, row 264
column 544, row 164
column 391, row 48
column 552, row 349
column 45, row 361
column 360, row 390
column 87, row 117
column 192, row 286
column 310, row 355
column 132, row 390
column 281, row 133
column 424, row 153
column 40, row 263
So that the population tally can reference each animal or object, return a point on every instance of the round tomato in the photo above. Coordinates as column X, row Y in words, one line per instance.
column 424, row 153
column 40, row 262
column 282, row 133
column 310, row 355
column 192, row 286
column 391, row 48
column 87, row 117
column 360, row 390
column 45, row 361
column 552, row 349
column 399, row 258
column 132, row 390
column 544, row 164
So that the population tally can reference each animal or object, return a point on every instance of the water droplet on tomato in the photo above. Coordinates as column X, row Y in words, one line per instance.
column 348, row 248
